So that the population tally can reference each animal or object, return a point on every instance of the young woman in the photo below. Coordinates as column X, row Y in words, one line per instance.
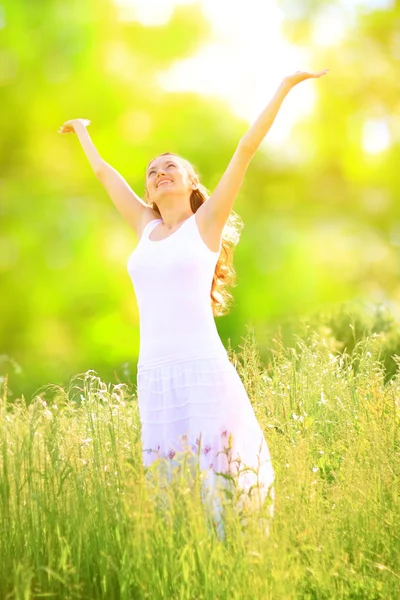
column 190, row 395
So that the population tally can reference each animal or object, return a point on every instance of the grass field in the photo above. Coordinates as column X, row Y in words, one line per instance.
column 79, row 519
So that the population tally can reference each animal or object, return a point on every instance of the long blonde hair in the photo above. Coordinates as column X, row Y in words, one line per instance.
column 224, row 274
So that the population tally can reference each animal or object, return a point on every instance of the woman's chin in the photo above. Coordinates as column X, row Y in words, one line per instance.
column 165, row 190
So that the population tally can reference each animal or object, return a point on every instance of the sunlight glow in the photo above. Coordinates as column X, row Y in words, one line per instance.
column 376, row 136
column 368, row 5
column 244, row 62
column 330, row 26
column 148, row 12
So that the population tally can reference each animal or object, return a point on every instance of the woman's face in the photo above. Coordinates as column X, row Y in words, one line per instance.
column 167, row 175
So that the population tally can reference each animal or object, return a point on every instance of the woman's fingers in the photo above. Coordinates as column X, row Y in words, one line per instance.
column 320, row 73
column 300, row 76
column 66, row 129
column 316, row 74
column 68, row 126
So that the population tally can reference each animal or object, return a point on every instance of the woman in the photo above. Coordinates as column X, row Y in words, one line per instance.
column 191, row 397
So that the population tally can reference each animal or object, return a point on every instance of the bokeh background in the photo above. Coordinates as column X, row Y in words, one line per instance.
column 320, row 202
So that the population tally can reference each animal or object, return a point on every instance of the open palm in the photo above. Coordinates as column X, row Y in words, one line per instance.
column 69, row 126
column 300, row 76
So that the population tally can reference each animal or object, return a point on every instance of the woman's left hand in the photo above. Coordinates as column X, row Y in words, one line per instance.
column 300, row 76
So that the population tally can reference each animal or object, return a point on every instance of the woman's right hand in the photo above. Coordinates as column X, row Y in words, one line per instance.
column 69, row 126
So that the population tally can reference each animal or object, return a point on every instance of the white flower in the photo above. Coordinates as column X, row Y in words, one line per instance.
column 87, row 441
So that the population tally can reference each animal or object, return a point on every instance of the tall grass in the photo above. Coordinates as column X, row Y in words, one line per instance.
column 81, row 518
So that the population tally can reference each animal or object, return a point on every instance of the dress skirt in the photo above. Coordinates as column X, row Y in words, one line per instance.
column 201, row 406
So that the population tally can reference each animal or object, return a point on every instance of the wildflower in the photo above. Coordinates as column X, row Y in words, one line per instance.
column 224, row 433
column 171, row 454
column 207, row 449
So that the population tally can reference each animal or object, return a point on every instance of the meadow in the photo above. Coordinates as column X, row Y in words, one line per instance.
column 80, row 520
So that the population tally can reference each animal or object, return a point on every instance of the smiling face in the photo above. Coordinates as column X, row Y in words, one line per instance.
column 167, row 174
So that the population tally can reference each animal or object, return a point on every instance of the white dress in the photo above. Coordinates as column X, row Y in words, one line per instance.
column 190, row 395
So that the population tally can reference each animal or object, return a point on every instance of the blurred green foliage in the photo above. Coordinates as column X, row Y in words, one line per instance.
column 322, row 222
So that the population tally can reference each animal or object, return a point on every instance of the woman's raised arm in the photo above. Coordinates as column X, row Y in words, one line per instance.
column 253, row 138
column 219, row 206
column 131, row 207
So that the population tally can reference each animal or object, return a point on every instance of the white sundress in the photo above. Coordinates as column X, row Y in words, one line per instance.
column 190, row 395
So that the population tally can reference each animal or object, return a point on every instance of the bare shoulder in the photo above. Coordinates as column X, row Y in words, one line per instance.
column 147, row 215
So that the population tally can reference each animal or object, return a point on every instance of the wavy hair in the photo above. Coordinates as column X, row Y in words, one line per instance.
column 224, row 274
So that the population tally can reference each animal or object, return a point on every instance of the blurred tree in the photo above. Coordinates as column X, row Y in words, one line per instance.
column 321, row 220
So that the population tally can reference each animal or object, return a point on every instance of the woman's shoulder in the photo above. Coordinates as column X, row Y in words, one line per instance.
column 149, row 214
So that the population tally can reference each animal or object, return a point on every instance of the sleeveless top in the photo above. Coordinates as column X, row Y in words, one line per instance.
column 172, row 281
